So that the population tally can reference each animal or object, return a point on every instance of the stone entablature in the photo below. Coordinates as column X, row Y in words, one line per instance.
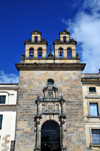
column 50, row 66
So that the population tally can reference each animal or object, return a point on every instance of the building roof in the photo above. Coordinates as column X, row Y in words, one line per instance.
column 36, row 32
column 64, row 32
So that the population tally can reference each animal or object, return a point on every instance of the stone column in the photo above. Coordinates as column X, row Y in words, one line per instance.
column 64, row 53
column 73, row 53
column 62, row 134
column 44, row 53
column 35, row 53
column 26, row 52
column 56, row 53
column 37, row 145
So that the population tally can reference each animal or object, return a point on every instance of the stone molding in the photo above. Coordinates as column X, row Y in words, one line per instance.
column 51, row 58
column 92, row 96
column 50, row 66
column 62, row 42
column 35, row 43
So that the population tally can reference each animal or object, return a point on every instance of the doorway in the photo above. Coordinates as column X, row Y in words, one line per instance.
column 50, row 136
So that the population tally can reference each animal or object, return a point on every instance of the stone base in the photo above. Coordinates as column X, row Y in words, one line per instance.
column 37, row 149
column 63, row 149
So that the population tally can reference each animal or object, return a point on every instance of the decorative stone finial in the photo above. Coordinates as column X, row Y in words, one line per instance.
column 61, row 96
column 50, row 53
column 23, row 56
column 38, row 97
column 77, row 54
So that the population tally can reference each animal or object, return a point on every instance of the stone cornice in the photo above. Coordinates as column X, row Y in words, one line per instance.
column 8, row 86
column 36, row 43
column 50, row 66
column 91, row 78
column 66, row 43
column 51, row 58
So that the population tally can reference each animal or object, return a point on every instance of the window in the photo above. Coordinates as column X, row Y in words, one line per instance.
column 64, row 39
column 69, row 53
column 31, row 52
column 1, row 116
column 93, row 109
column 92, row 89
column 60, row 51
column 2, row 99
column 50, row 82
column 35, row 38
column 40, row 52
column 96, row 136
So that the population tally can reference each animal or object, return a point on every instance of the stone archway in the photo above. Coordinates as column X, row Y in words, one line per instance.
column 49, row 109
column 50, row 136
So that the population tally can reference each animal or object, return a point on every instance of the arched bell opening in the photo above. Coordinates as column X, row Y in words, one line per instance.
column 50, row 136
column 64, row 38
column 60, row 52
column 31, row 52
column 36, row 39
column 40, row 52
column 69, row 53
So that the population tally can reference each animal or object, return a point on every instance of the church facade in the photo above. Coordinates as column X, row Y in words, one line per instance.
column 54, row 106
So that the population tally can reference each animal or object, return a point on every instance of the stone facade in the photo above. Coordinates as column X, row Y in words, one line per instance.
column 66, row 108
column 69, row 85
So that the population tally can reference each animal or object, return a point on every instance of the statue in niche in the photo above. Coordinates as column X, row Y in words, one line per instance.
column 57, row 107
column 43, row 107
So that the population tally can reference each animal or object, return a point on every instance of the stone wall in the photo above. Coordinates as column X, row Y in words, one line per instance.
column 69, row 85
column 5, row 144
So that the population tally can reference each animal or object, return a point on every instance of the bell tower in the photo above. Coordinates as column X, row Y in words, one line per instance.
column 65, row 48
column 34, row 48
column 36, row 51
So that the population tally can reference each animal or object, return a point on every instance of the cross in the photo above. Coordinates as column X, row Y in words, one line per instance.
column 50, row 47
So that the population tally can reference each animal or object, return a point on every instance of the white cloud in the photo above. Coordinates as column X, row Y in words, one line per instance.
column 8, row 78
column 85, row 28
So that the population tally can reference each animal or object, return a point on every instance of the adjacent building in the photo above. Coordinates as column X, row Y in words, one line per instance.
column 54, row 106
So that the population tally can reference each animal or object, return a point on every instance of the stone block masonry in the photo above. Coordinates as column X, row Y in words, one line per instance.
column 69, row 85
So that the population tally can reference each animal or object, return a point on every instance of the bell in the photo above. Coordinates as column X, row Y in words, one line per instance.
column 31, row 54
column 40, row 54
column 60, row 54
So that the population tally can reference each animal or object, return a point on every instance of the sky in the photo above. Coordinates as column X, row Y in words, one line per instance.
column 18, row 18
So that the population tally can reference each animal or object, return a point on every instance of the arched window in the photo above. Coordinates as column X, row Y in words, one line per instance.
column 60, row 52
column 40, row 52
column 64, row 39
column 31, row 52
column 50, row 136
column 35, row 38
column 69, row 53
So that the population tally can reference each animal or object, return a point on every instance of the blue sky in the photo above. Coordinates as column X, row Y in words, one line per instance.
column 18, row 18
